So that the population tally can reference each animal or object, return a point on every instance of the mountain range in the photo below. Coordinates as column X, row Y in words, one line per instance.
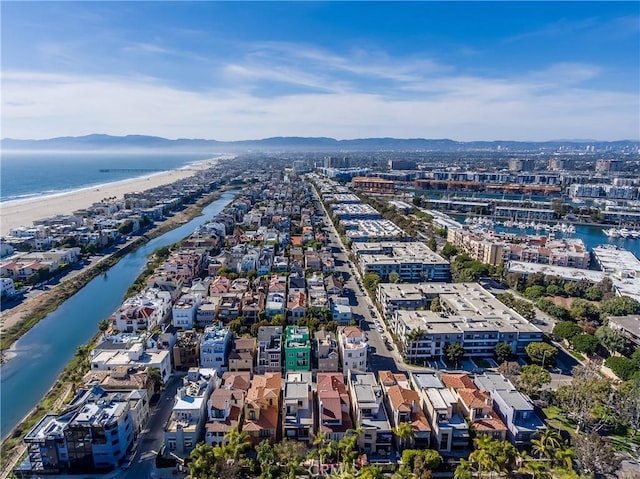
column 320, row 144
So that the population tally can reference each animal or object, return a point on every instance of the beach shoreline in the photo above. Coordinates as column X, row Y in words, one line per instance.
column 22, row 212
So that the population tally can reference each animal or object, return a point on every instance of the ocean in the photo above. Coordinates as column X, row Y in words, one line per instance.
column 27, row 174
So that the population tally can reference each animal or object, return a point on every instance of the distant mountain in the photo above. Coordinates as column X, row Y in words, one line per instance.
column 140, row 142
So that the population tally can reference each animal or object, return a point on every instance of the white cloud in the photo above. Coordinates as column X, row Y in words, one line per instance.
column 38, row 105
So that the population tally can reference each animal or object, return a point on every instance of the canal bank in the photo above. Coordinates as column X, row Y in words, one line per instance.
column 42, row 353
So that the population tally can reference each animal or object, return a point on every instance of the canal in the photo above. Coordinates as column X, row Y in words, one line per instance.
column 43, row 352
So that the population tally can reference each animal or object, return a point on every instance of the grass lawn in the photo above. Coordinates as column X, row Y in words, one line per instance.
column 557, row 419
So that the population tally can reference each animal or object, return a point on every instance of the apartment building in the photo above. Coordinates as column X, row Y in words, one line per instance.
column 326, row 349
column 214, row 347
column 262, row 408
column 297, row 349
column 334, row 406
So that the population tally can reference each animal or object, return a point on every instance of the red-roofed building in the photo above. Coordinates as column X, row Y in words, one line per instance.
column 262, row 408
column 476, row 405
column 334, row 406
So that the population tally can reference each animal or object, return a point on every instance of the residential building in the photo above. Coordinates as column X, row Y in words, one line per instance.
column 369, row 413
column 515, row 409
column 262, row 408
column 94, row 433
column 411, row 261
column 242, row 354
column 131, row 354
column 297, row 349
column 269, row 349
column 214, row 347
column 297, row 408
column 353, row 346
column 207, row 311
column 296, row 305
column 189, row 414
column 628, row 326
column 184, row 311
column 146, row 310
column 403, row 405
column 450, row 431
column 186, row 350
column 475, row 405
column 469, row 315
column 327, row 354
column 334, row 406
column 224, row 408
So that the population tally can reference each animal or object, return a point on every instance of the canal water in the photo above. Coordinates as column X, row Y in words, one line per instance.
column 43, row 352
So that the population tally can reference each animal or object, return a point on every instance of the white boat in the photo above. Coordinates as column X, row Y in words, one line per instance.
column 611, row 232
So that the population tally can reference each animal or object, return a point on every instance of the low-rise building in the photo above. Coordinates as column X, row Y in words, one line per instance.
column 628, row 326
column 515, row 409
column 352, row 342
column 186, row 350
column 327, row 354
column 262, row 408
column 242, row 354
column 411, row 261
column 403, row 404
column 297, row 408
column 475, row 405
column 214, row 347
column 189, row 414
column 369, row 413
column 269, row 349
column 297, row 349
column 450, row 431
column 334, row 406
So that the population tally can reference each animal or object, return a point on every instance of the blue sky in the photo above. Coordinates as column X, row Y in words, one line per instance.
column 247, row 70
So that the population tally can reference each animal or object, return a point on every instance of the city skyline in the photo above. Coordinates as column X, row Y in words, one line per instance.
column 247, row 70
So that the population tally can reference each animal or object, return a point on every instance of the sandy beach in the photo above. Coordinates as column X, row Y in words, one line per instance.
column 23, row 212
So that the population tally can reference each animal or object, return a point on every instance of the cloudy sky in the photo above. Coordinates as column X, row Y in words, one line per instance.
column 249, row 70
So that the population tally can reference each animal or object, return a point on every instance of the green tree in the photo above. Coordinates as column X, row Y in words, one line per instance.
column 585, row 343
column 612, row 340
column 370, row 471
column 371, row 281
column 103, row 325
column 267, row 460
column 394, row 277
column 156, row 378
column 622, row 367
column 580, row 400
column 619, row 306
column 503, row 352
column 493, row 456
column 432, row 244
column 436, row 307
column 566, row 329
column 405, row 434
column 449, row 250
column 553, row 290
column 534, row 292
column 546, row 442
column 542, row 353
column 203, row 463
column 582, row 310
column 593, row 293
column 532, row 378
column 534, row 468
column 454, row 352
column 465, row 470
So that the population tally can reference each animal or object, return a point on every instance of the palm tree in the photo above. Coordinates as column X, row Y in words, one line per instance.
column 404, row 431
column 547, row 441
column 464, row 470
column 564, row 457
column 202, row 462
column 535, row 468
column 237, row 442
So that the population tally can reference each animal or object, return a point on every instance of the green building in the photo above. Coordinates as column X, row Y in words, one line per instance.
column 297, row 349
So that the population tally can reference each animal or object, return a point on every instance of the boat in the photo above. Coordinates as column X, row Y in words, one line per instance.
column 611, row 232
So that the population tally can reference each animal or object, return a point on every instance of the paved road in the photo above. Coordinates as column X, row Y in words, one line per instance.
column 143, row 461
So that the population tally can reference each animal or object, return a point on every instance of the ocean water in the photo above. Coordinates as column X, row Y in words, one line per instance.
column 28, row 174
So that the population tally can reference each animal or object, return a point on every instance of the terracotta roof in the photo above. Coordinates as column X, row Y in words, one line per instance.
column 237, row 380
column 474, row 398
column 330, row 401
column 268, row 420
column 240, row 344
column 492, row 423
column 352, row 331
column 419, row 422
column 402, row 399
column 387, row 378
column 331, row 382
column 457, row 381
column 219, row 398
